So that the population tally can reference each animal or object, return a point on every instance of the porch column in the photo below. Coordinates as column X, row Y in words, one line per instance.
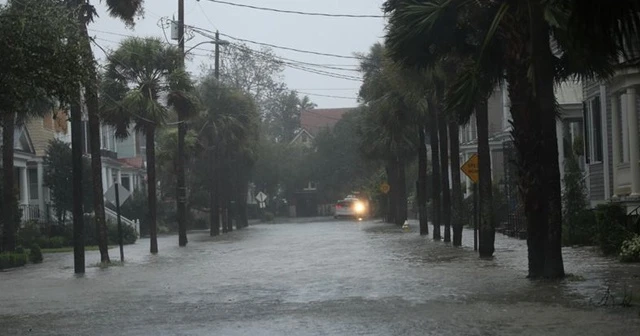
column 105, row 187
column 634, row 146
column 24, row 186
column 40, row 172
column 119, row 176
column 131, row 177
column 615, row 139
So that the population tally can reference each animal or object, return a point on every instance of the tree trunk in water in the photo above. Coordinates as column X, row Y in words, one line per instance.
column 151, row 187
column 214, row 214
column 76, row 158
column 391, row 195
column 533, row 113
column 9, row 199
column 456, row 186
column 181, row 189
column 486, row 231
column 435, row 173
column 93, row 114
column 444, row 177
column 401, row 197
column 422, row 184
column 241, row 205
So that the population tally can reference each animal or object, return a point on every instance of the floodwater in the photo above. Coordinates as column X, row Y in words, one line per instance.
column 319, row 278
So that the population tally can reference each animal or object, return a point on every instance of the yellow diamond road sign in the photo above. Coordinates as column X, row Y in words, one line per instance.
column 385, row 187
column 470, row 168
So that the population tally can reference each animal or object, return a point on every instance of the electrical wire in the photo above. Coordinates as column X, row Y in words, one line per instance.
column 276, row 46
column 284, row 11
column 327, row 96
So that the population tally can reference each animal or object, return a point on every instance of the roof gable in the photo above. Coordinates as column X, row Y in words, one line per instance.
column 315, row 120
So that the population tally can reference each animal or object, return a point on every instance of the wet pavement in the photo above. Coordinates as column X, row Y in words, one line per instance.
column 318, row 278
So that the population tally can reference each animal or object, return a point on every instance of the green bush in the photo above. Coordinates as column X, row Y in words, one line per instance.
column 630, row 251
column 129, row 235
column 35, row 255
column 11, row 260
column 29, row 233
column 57, row 242
column 267, row 216
column 611, row 229
column 581, row 231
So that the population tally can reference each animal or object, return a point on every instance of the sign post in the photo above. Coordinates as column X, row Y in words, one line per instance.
column 113, row 196
column 119, row 223
column 470, row 168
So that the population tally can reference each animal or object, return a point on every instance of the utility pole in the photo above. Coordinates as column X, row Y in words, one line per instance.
column 214, row 202
column 181, row 192
column 76, row 159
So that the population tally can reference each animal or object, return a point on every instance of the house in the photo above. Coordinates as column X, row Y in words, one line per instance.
column 612, row 149
column 31, row 140
column 312, row 122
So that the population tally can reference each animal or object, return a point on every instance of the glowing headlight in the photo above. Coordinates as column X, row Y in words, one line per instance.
column 358, row 207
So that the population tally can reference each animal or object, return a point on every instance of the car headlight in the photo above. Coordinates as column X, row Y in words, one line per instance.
column 359, row 207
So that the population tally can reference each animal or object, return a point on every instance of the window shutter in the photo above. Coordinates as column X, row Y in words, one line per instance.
column 597, row 129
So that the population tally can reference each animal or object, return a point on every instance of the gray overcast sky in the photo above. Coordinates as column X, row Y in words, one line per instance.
column 342, row 36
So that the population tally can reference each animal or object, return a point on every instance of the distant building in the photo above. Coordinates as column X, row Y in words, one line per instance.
column 312, row 122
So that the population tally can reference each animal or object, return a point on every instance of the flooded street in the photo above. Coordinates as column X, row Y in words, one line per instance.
column 317, row 278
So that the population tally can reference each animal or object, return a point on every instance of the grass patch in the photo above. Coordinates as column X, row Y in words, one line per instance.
column 115, row 263
column 67, row 249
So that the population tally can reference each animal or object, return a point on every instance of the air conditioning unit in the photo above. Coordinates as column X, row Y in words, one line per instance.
column 175, row 35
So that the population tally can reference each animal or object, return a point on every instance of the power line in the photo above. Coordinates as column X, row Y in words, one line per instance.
column 276, row 46
column 284, row 11
column 327, row 96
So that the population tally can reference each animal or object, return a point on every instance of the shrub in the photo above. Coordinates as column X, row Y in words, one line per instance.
column 35, row 255
column 611, row 228
column 630, row 251
column 267, row 216
column 582, row 230
column 29, row 233
column 11, row 260
column 57, row 242
column 129, row 235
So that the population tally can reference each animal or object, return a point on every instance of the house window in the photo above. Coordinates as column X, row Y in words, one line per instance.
column 125, row 181
column 33, row 183
column 593, row 130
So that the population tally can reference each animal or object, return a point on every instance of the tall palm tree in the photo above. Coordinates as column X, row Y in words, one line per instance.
column 456, row 185
column 38, row 69
column 231, row 120
column 137, row 74
column 589, row 35
column 125, row 10
column 183, row 100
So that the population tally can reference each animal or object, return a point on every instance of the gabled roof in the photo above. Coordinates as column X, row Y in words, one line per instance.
column 313, row 121
column 303, row 132
column 22, row 141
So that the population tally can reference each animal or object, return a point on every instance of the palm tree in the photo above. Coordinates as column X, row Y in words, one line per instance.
column 231, row 120
column 138, row 73
column 184, row 102
column 513, row 38
column 125, row 10
column 38, row 69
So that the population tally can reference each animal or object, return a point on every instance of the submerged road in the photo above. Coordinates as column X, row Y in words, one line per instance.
column 318, row 278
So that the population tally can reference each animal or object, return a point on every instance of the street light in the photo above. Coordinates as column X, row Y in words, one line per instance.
column 217, row 43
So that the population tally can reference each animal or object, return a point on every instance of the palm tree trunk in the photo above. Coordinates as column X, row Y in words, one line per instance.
column 9, row 199
column 401, row 196
column 76, row 158
column 435, row 173
column 94, row 143
column 444, row 177
column 456, row 186
column 181, row 189
column 214, row 214
column 393, row 191
column 422, row 184
column 487, row 231
column 151, row 187
column 544, row 87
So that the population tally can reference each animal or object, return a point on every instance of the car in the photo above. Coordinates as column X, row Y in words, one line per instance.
column 351, row 208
